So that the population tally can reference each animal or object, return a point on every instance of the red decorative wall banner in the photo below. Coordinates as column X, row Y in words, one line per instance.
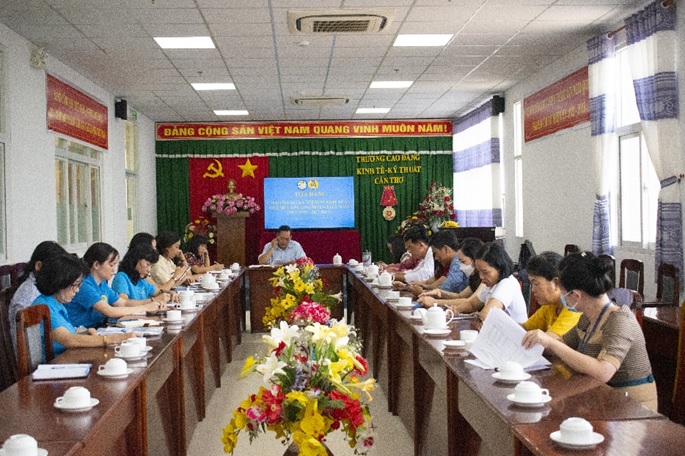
column 561, row 105
column 263, row 130
column 75, row 114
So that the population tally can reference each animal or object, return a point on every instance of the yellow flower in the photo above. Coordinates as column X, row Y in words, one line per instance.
column 248, row 367
column 308, row 446
column 229, row 438
column 297, row 396
column 299, row 286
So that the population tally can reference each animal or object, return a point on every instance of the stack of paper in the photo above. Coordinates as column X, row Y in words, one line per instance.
column 58, row 371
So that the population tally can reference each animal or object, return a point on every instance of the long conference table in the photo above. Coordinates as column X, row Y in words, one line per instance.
column 449, row 406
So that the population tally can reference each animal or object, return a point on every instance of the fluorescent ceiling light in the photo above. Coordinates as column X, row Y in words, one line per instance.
column 422, row 40
column 185, row 42
column 372, row 110
column 229, row 112
column 213, row 86
column 390, row 84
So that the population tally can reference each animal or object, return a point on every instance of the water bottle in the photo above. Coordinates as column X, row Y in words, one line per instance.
column 366, row 258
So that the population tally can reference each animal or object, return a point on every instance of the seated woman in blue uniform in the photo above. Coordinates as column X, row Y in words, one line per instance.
column 58, row 281
column 96, row 301
column 130, row 281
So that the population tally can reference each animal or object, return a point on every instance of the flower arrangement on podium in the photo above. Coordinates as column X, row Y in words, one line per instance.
column 201, row 226
column 296, row 287
column 227, row 204
column 314, row 386
column 437, row 206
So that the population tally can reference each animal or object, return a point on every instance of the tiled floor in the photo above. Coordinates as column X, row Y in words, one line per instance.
column 391, row 437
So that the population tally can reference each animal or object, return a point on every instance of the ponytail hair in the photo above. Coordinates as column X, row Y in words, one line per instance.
column 586, row 272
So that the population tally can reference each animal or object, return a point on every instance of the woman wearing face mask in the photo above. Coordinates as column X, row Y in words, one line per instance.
column 459, row 302
column 608, row 343
column 95, row 300
column 553, row 316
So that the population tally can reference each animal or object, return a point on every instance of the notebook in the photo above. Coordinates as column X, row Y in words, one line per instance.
column 61, row 371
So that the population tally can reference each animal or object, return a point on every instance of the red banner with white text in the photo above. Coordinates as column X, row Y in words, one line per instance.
column 559, row 106
column 271, row 130
column 75, row 114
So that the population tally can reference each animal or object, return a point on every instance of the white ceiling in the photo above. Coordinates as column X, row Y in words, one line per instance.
column 497, row 43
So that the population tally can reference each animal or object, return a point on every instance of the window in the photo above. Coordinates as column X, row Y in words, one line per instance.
column 638, row 186
column 131, row 163
column 518, row 167
column 77, row 178
column 3, row 183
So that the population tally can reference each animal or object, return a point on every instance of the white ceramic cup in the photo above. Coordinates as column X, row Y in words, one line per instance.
column 141, row 341
column 76, row 396
column 404, row 301
column 20, row 445
column 529, row 392
column 511, row 369
column 385, row 279
column 223, row 275
column 128, row 349
column 468, row 334
column 187, row 304
column 372, row 277
column 114, row 366
column 359, row 268
column 173, row 315
column 393, row 294
column 352, row 262
column 575, row 430
column 235, row 267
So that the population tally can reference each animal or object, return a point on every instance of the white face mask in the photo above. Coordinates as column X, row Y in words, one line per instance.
column 466, row 269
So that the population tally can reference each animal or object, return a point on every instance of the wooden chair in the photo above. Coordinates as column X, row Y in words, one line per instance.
column 26, row 319
column 533, row 304
column 5, row 276
column 632, row 275
column 8, row 361
column 612, row 260
column 678, row 398
column 667, row 287
column 571, row 248
column 17, row 271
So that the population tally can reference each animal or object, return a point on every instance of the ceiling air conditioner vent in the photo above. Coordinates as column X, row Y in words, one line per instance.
column 316, row 102
column 339, row 21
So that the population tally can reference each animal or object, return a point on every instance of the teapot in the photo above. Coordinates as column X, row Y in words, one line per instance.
column 186, row 296
column 337, row 259
column 208, row 280
column 435, row 317
column 386, row 279
column 372, row 270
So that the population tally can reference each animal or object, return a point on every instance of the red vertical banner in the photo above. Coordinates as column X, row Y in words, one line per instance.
column 209, row 176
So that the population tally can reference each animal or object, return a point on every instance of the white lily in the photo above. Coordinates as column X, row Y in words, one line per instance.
column 283, row 333
column 271, row 367
column 291, row 268
column 338, row 296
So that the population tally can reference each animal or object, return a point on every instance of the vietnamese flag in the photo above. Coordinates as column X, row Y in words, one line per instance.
column 209, row 176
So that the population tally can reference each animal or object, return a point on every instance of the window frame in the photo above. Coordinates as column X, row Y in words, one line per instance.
column 132, row 178
column 518, row 168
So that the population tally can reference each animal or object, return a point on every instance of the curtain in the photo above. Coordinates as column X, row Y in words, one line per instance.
column 651, row 38
column 476, row 168
column 602, row 82
column 317, row 157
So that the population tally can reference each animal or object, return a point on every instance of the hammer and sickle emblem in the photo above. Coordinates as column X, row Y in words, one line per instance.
column 216, row 170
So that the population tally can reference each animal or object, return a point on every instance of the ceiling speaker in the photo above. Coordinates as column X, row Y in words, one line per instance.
column 121, row 109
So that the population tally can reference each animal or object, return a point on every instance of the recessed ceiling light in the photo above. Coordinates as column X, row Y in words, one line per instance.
column 372, row 110
column 213, row 86
column 236, row 112
column 422, row 40
column 185, row 42
column 391, row 84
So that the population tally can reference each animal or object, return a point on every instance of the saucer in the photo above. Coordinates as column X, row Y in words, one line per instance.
column 511, row 380
column 596, row 439
column 392, row 299
column 454, row 344
column 404, row 306
column 41, row 452
column 416, row 317
column 385, row 287
column 438, row 332
column 544, row 399
column 102, row 373
column 187, row 309
column 173, row 322
column 64, row 408
column 131, row 358
column 146, row 349
column 216, row 288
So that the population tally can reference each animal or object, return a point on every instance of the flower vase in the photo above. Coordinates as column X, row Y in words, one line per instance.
column 294, row 450
column 435, row 225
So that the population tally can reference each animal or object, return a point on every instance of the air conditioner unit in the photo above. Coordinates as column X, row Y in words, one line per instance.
column 339, row 21
column 317, row 102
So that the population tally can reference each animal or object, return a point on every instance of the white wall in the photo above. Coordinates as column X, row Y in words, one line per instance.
column 30, row 156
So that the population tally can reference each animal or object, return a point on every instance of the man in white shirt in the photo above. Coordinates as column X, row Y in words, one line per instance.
column 416, row 242
column 282, row 249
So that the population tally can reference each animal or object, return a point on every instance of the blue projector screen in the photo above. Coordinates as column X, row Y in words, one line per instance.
column 309, row 202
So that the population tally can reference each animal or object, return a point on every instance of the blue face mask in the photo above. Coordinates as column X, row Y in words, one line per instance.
column 563, row 302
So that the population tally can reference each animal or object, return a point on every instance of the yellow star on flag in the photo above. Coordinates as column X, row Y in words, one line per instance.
column 248, row 168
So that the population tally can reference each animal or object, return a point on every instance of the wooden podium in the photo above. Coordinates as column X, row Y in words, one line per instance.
column 230, row 231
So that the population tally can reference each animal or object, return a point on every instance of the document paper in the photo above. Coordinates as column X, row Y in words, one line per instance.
column 499, row 341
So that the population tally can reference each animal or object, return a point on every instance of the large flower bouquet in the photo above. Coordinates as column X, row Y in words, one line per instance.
column 314, row 386
column 201, row 226
column 413, row 219
column 437, row 206
column 230, row 204
column 296, row 285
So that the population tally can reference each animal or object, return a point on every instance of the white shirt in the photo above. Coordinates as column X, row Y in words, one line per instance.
column 508, row 292
column 424, row 270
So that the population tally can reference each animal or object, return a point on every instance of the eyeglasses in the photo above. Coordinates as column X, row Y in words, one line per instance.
column 76, row 286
